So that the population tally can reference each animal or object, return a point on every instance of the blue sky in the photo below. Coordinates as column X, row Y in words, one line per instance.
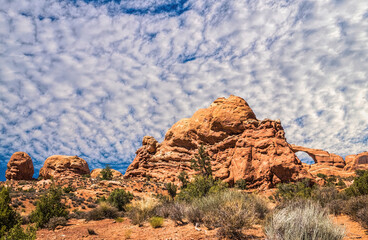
column 91, row 78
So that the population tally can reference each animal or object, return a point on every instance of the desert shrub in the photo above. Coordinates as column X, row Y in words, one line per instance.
column 8, row 217
column 141, row 210
column 56, row 221
column 341, row 183
column 359, row 186
column 200, row 187
column 171, row 189
column 324, row 195
column 68, row 189
column 177, row 212
column 229, row 211
column 156, row 222
column 354, row 205
column 241, row 184
column 336, row 206
column 302, row 220
column 288, row 191
column 119, row 198
column 321, row 175
column 362, row 216
column 183, row 178
column 106, row 173
column 103, row 211
column 17, row 233
column 49, row 206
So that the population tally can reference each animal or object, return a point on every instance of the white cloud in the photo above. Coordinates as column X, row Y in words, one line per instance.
column 92, row 79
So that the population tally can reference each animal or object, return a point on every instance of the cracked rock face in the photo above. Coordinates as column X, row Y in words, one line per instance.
column 241, row 147
column 59, row 166
column 20, row 167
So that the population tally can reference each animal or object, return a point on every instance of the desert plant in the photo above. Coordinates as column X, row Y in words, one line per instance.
column 56, row 221
column 183, row 178
column 103, row 211
column 91, row 231
column 8, row 217
column 200, row 187
column 241, row 184
column 49, row 206
column 119, row 198
column 362, row 216
column 141, row 210
column 324, row 195
column 156, row 222
column 302, row 220
column 288, row 191
column 106, row 173
column 171, row 189
column 202, row 162
column 359, row 186
column 336, row 206
column 17, row 232
column 354, row 205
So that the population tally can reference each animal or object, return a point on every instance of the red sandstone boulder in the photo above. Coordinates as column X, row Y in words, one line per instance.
column 241, row 147
column 96, row 173
column 20, row 167
column 59, row 166
column 357, row 162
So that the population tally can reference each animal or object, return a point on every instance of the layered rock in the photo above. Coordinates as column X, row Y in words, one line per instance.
column 241, row 147
column 357, row 162
column 321, row 157
column 59, row 166
column 20, row 167
column 96, row 173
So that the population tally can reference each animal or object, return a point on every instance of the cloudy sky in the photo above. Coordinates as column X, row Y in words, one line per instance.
column 91, row 78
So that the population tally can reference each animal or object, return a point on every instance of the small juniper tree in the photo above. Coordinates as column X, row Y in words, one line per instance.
column 202, row 162
column 106, row 173
column 171, row 189
column 119, row 198
column 183, row 178
column 8, row 217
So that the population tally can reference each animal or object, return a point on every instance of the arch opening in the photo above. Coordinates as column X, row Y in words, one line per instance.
column 305, row 158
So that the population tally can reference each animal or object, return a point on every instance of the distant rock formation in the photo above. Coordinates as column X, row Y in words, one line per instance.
column 59, row 166
column 240, row 146
column 321, row 157
column 357, row 162
column 20, row 167
column 96, row 173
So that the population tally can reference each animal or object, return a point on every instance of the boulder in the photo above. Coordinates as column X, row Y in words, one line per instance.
column 357, row 162
column 20, row 167
column 96, row 173
column 240, row 146
column 59, row 166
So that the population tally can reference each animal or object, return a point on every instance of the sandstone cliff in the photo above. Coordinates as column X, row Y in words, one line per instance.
column 20, row 167
column 59, row 166
column 240, row 146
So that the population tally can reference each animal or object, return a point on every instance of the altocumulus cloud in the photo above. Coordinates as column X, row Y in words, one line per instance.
column 91, row 78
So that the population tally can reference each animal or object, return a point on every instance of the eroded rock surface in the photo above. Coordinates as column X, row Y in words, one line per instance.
column 240, row 146
column 20, row 167
column 357, row 162
column 60, row 166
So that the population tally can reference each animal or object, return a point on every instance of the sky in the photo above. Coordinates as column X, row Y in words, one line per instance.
column 91, row 78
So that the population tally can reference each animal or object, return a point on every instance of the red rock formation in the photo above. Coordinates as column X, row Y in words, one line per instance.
column 321, row 157
column 20, row 167
column 96, row 173
column 59, row 166
column 357, row 162
column 240, row 146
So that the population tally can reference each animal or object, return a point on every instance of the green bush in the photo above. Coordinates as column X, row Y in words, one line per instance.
column 288, row 191
column 106, row 173
column 49, row 206
column 324, row 195
column 202, row 162
column 241, row 184
column 200, row 187
column 119, row 198
column 359, row 186
column 18, row 233
column 156, row 222
column 183, row 178
column 171, row 189
column 8, row 217
column 302, row 220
